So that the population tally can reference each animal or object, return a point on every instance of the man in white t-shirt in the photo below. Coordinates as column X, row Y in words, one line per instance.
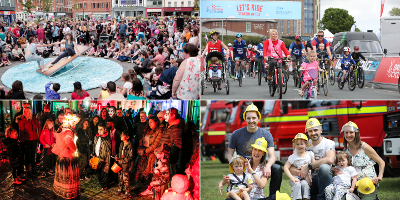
column 170, row 28
column 324, row 152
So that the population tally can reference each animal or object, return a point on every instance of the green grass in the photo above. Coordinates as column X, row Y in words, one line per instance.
column 212, row 172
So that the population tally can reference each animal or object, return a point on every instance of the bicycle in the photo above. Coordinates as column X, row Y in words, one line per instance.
column 331, row 74
column 359, row 71
column 240, row 71
column 323, row 75
column 296, row 73
column 350, row 79
column 260, row 69
column 278, row 79
column 310, row 92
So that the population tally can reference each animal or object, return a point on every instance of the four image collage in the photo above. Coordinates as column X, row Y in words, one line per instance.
column 224, row 100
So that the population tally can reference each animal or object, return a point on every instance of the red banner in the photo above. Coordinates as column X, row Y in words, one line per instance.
column 382, row 5
column 388, row 71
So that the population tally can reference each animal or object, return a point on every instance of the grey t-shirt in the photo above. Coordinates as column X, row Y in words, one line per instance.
column 241, row 140
column 122, row 28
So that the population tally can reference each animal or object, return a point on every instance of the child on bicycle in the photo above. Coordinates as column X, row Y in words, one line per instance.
column 346, row 61
column 253, row 58
column 214, row 66
column 357, row 55
column 312, row 56
column 321, row 50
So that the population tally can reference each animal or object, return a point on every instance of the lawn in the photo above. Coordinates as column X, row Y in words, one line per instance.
column 211, row 175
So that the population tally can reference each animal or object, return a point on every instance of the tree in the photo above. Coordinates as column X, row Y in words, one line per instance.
column 75, row 5
column 196, row 5
column 337, row 20
column 357, row 29
column 47, row 5
column 27, row 5
column 394, row 12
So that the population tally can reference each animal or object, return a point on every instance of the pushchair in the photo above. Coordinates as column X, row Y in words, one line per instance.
column 214, row 80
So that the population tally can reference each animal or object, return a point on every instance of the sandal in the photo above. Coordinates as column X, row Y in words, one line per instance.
column 301, row 93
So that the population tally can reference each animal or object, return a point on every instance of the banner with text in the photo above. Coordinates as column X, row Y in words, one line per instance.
column 250, row 9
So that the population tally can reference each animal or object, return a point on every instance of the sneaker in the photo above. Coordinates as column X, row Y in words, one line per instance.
column 233, row 77
column 106, row 57
column 129, row 61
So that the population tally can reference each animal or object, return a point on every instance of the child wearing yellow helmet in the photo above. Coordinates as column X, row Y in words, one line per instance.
column 300, row 157
column 342, row 183
column 239, row 182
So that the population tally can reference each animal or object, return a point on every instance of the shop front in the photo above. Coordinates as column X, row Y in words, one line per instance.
column 153, row 12
column 178, row 11
column 7, row 16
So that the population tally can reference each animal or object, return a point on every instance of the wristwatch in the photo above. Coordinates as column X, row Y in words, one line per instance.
column 309, row 166
column 253, row 173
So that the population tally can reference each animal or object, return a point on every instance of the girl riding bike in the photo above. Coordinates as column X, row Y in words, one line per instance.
column 345, row 62
column 312, row 56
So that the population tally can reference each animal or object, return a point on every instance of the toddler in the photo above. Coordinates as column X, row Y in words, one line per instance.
column 14, row 153
column 344, row 182
column 4, row 60
column 57, row 50
column 239, row 182
column 299, row 158
column 215, row 66
column 312, row 56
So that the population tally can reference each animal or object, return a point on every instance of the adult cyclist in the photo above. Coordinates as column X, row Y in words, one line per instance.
column 260, row 52
column 274, row 47
column 297, row 50
column 320, row 39
column 357, row 55
column 215, row 45
column 239, row 52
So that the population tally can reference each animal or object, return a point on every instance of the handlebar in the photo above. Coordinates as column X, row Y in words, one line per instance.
column 283, row 59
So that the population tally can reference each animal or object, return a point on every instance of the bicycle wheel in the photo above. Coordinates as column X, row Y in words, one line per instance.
column 215, row 86
column 314, row 93
column 279, row 80
column 285, row 85
column 240, row 77
column 202, row 87
column 331, row 76
column 319, row 81
column 340, row 84
column 227, row 86
column 325, row 83
column 352, row 81
column 272, row 86
column 360, row 77
column 260, row 72
column 295, row 79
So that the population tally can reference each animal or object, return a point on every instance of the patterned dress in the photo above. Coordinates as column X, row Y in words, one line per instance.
column 256, row 192
column 189, row 87
column 363, row 164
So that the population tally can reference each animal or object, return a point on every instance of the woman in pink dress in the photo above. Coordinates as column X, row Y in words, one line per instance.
column 40, row 33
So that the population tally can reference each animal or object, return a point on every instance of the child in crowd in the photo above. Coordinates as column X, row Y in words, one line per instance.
column 346, row 62
column 91, row 51
column 14, row 154
column 111, row 50
column 125, row 159
column 299, row 158
column 342, row 183
column 239, row 183
column 57, row 50
column 40, row 50
column 48, row 141
column 5, row 60
column 8, row 50
column 312, row 56
column 214, row 66
column 158, row 88
column 52, row 93
column 49, row 48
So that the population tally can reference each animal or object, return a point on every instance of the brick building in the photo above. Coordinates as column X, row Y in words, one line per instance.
column 61, row 8
column 98, row 8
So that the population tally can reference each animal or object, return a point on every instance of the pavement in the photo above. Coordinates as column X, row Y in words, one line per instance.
column 41, row 188
column 251, row 90
column 93, row 92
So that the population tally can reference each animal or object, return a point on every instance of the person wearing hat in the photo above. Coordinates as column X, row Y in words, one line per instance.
column 300, row 157
column 215, row 45
column 297, row 50
column 324, row 154
column 363, row 158
column 243, row 137
column 78, row 93
column 239, row 182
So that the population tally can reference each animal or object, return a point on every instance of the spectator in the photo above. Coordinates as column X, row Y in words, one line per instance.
column 78, row 93
column 17, row 91
column 52, row 93
column 111, row 88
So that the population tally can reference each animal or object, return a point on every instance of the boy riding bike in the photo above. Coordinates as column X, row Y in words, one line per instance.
column 357, row 55
column 239, row 52
column 297, row 50
column 346, row 62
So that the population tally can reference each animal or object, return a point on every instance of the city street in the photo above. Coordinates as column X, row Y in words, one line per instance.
column 251, row 90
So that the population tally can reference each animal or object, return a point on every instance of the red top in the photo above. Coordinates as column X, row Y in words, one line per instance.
column 214, row 47
column 74, row 96
column 283, row 47
column 16, row 32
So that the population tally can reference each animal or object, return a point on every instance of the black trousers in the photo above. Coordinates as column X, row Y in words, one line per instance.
column 83, row 171
column 30, row 152
column 17, row 171
column 68, row 52
column 102, row 177
column 49, row 160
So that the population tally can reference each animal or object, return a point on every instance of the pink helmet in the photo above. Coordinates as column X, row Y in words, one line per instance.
column 156, row 31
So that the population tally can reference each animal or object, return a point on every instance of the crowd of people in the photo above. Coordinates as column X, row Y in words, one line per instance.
column 315, row 170
column 64, row 142
column 163, row 54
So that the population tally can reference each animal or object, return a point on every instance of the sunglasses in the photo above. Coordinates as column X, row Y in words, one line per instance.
column 320, row 35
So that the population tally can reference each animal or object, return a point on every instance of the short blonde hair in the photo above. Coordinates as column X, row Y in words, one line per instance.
column 311, row 52
column 273, row 30
column 237, row 162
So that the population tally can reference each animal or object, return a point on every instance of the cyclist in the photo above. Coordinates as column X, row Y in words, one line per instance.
column 231, row 59
column 297, row 49
column 345, row 61
column 321, row 39
column 252, row 55
column 357, row 55
column 312, row 56
column 260, row 50
column 214, row 44
column 239, row 52
column 274, row 47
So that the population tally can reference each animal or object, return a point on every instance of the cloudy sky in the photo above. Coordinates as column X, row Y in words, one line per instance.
column 366, row 13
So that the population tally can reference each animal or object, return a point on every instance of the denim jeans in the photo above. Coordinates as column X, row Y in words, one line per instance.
column 320, row 182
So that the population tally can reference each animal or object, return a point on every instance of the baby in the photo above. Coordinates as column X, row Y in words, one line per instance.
column 215, row 66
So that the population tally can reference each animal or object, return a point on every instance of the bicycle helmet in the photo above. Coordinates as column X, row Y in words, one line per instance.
column 356, row 48
column 346, row 49
column 298, row 38
column 255, row 47
column 229, row 45
column 238, row 35
column 263, row 38
column 250, row 46
column 213, row 32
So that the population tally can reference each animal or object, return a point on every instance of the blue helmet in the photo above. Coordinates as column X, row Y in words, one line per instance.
column 238, row 35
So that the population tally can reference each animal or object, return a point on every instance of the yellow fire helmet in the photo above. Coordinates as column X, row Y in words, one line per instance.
column 312, row 122
column 282, row 196
column 261, row 144
column 350, row 126
column 251, row 108
column 365, row 186
column 234, row 158
column 301, row 136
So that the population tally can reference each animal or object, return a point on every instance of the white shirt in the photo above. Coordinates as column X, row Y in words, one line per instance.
column 345, row 178
column 128, row 86
column 98, row 147
column 170, row 29
column 298, row 162
column 66, row 30
column 321, row 149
